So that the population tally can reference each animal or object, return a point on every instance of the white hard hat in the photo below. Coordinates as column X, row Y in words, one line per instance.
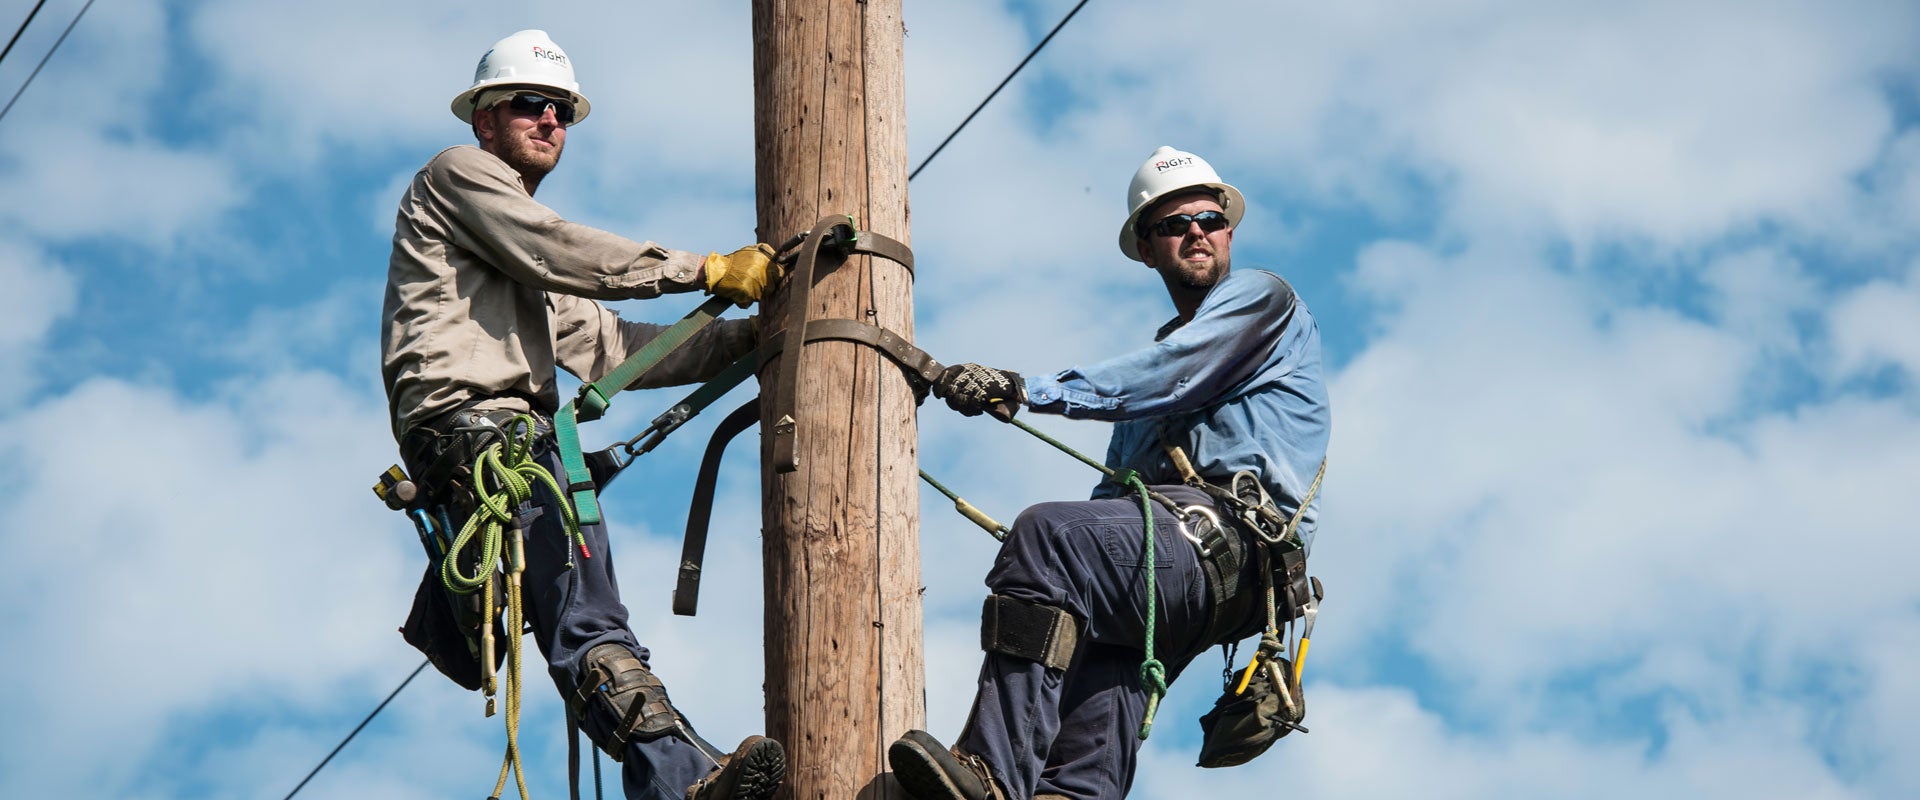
column 527, row 58
column 1167, row 172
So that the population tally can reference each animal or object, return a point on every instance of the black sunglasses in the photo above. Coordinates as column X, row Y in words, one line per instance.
column 1176, row 225
column 536, row 104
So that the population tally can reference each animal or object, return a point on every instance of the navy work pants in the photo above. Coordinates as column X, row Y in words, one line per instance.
column 1075, row 733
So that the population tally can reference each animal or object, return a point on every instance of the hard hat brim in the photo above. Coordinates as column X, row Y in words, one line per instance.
column 1231, row 202
column 462, row 105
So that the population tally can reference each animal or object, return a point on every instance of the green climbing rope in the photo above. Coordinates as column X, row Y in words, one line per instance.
column 1153, row 674
column 502, row 480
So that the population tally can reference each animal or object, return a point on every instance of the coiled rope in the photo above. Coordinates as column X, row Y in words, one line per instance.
column 503, row 478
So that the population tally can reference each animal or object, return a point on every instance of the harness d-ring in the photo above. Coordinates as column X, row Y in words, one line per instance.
column 1205, row 511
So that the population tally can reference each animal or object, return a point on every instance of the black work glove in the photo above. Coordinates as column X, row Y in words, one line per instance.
column 971, row 389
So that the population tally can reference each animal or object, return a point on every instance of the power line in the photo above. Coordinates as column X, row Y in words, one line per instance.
column 996, row 89
column 23, row 29
column 43, row 60
column 356, row 730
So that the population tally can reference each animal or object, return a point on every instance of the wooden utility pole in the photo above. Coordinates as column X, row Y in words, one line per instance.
column 841, row 534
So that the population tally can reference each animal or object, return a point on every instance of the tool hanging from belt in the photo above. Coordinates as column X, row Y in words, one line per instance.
column 1242, row 726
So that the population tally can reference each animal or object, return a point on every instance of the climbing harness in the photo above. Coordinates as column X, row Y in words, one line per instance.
column 1221, row 555
column 1253, row 714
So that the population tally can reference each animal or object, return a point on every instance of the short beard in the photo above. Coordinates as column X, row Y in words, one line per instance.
column 524, row 159
column 1203, row 279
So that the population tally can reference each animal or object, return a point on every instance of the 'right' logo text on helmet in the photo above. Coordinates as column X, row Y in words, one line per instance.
column 1172, row 163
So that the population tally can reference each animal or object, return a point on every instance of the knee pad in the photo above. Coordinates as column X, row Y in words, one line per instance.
column 1032, row 631
column 619, row 701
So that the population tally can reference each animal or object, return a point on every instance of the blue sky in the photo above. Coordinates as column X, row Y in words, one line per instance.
column 1621, row 303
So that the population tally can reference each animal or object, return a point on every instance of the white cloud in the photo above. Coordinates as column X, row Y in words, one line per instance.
column 1878, row 324
column 1628, row 121
column 1568, row 497
column 370, row 76
column 188, row 557
column 335, row 331
column 1382, row 743
column 39, row 293
column 83, row 185
column 84, row 161
column 1762, row 295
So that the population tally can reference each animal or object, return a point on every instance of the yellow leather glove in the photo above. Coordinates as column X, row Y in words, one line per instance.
column 742, row 275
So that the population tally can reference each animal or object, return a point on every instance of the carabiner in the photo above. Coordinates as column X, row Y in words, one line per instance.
column 1182, row 514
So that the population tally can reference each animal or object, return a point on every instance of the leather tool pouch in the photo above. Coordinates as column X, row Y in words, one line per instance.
column 445, row 627
column 1242, row 726
column 442, row 625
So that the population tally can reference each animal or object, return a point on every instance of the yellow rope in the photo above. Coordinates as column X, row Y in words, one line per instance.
column 516, row 564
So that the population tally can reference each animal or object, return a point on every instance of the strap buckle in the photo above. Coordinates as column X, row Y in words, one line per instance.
column 590, row 404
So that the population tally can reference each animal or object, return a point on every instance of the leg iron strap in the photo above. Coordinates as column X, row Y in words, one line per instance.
column 621, row 701
column 1028, row 630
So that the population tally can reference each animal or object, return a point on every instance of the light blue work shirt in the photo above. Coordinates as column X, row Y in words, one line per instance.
column 1239, row 388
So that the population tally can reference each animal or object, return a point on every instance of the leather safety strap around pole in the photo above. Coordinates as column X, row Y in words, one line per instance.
column 836, row 235
column 920, row 368
column 693, row 550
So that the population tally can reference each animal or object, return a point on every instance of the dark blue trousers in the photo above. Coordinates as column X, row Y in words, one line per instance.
column 1075, row 733
column 573, row 610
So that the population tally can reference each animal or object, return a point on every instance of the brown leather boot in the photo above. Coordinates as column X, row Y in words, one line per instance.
column 930, row 771
column 753, row 771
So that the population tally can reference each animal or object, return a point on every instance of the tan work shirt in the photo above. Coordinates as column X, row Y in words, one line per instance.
column 487, row 290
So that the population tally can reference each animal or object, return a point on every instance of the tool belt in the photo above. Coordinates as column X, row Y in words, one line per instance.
column 1267, row 703
column 444, row 626
column 1244, row 523
column 1225, row 542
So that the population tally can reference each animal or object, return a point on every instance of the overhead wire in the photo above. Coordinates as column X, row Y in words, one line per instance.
column 916, row 172
column 43, row 59
column 23, row 29
column 356, row 729
column 996, row 90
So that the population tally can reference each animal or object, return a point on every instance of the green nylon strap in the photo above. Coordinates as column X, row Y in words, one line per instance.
column 689, row 407
column 717, row 386
column 595, row 396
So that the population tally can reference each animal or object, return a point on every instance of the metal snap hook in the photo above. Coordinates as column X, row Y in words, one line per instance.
column 1212, row 517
